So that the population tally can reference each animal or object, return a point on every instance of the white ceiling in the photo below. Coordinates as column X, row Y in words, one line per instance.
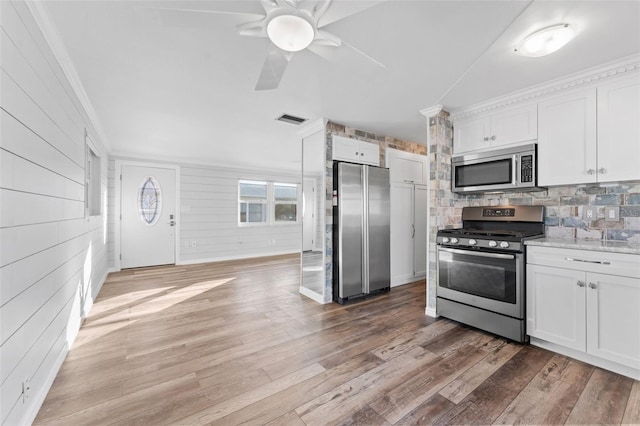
column 180, row 86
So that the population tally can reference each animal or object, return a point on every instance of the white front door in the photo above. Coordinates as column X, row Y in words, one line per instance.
column 148, row 209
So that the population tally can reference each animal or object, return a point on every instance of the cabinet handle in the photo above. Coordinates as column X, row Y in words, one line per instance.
column 493, row 138
column 593, row 286
column 599, row 262
column 580, row 283
column 408, row 181
column 357, row 153
column 602, row 170
column 362, row 154
column 591, row 171
column 485, row 139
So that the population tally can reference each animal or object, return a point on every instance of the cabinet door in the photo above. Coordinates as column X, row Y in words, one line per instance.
column 346, row 149
column 619, row 130
column 556, row 305
column 420, row 195
column 514, row 125
column 613, row 318
column 406, row 167
column 401, row 196
column 369, row 153
column 471, row 134
column 567, row 139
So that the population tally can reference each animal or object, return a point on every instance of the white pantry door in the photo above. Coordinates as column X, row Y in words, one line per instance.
column 148, row 208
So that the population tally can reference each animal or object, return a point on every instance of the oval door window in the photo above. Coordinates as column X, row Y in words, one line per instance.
column 149, row 201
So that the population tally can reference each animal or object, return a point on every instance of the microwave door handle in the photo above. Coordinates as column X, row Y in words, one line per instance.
column 514, row 177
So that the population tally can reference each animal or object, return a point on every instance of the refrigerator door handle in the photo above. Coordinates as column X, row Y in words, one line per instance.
column 365, row 227
column 413, row 231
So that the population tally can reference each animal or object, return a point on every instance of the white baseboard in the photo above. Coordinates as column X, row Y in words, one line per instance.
column 38, row 399
column 312, row 295
column 236, row 257
column 406, row 279
column 430, row 312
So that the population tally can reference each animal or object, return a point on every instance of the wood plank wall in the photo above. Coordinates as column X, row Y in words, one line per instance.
column 208, row 215
column 53, row 259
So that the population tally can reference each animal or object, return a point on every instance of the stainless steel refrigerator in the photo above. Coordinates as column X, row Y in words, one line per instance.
column 361, row 231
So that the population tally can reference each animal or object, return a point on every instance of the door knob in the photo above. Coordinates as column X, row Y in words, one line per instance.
column 580, row 283
column 592, row 285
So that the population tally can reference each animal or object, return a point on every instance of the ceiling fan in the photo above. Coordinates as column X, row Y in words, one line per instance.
column 291, row 26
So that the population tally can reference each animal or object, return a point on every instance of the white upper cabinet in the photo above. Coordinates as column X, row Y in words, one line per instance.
column 355, row 151
column 507, row 126
column 406, row 167
column 567, row 139
column 591, row 135
column 619, row 130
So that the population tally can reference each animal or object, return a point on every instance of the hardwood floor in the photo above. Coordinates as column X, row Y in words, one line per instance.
column 235, row 343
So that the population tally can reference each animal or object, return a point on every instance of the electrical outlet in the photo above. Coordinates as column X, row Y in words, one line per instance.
column 611, row 213
column 589, row 213
column 26, row 390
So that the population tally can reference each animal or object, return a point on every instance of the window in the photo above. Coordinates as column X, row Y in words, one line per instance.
column 285, row 202
column 253, row 201
column 93, row 181
column 267, row 202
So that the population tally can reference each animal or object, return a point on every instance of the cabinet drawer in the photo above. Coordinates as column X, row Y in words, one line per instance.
column 621, row 264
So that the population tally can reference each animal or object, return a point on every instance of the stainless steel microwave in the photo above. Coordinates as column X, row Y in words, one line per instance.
column 507, row 169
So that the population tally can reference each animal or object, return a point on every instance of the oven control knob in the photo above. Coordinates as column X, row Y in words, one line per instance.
column 492, row 243
column 504, row 244
column 453, row 240
column 445, row 239
column 472, row 242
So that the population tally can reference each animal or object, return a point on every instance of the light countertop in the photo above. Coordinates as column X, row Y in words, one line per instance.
column 594, row 245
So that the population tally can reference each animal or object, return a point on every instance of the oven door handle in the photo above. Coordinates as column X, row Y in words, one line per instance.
column 479, row 253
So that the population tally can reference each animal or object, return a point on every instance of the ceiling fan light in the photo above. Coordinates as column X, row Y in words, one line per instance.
column 545, row 41
column 289, row 32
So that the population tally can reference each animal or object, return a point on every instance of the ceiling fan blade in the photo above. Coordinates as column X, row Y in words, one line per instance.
column 320, row 8
column 273, row 69
column 325, row 38
column 253, row 29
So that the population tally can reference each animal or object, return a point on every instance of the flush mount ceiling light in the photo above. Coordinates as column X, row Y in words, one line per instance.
column 290, row 32
column 545, row 41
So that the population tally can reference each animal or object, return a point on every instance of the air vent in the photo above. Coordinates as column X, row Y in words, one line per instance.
column 291, row 119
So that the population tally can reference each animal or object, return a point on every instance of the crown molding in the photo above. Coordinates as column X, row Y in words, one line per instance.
column 431, row 111
column 312, row 127
column 625, row 66
column 51, row 36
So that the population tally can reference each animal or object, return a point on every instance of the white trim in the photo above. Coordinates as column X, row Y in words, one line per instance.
column 319, row 298
column 431, row 111
column 312, row 127
column 117, row 208
column 601, row 72
column 235, row 257
column 588, row 358
column 430, row 312
column 53, row 39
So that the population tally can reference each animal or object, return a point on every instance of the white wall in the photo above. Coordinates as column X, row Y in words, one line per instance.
column 53, row 260
column 208, row 215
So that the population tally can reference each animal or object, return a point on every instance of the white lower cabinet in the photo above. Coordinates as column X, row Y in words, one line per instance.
column 587, row 302
column 408, row 232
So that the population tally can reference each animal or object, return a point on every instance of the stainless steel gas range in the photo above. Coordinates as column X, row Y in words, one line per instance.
column 481, row 268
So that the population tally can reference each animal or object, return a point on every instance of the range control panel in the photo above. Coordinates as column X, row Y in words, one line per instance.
column 498, row 212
